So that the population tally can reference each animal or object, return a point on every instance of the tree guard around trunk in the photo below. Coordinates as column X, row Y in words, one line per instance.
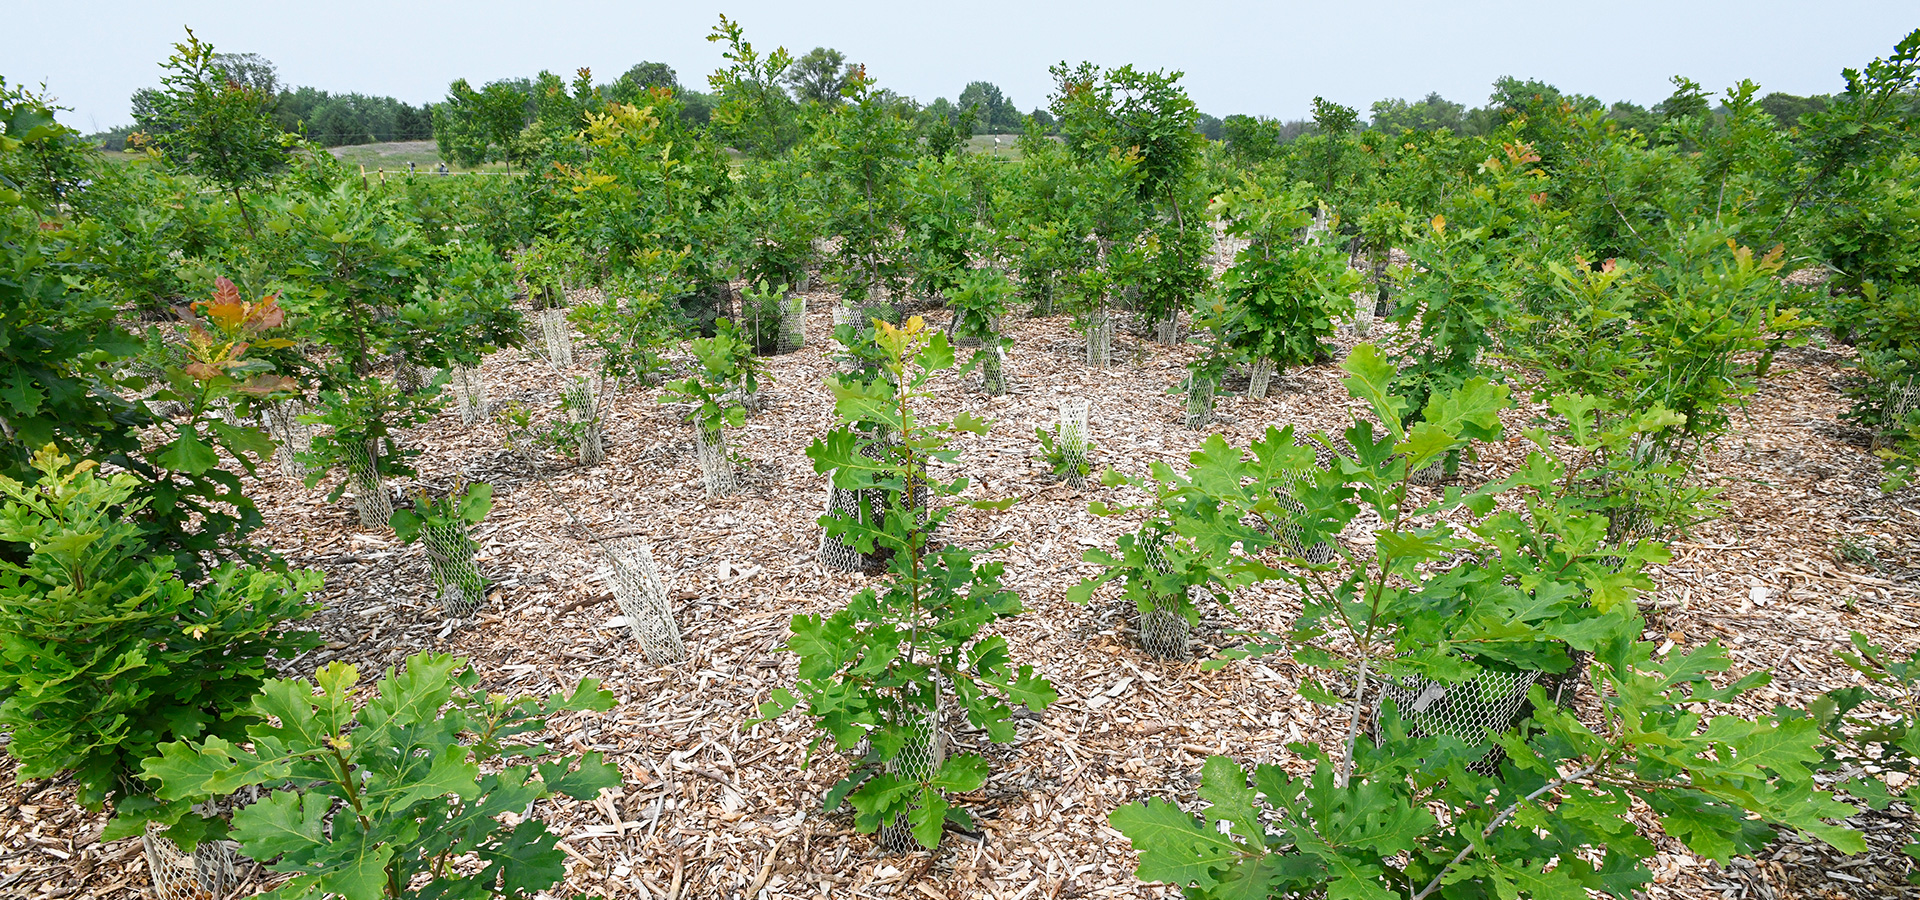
column 1259, row 376
column 1363, row 312
column 558, row 337
column 1166, row 331
column 923, row 755
column 1099, row 338
column 469, row 394
column 370, row 497
column 208, row 873
column 716, row 466
column 1163, row 628
column 993, row 372
column 1199, row 402
column 642, row 595
column 1492, row 702
column 292, row 437
column 582, row 402
column 1902, row 399
column 456, row 577
column 1074, row 446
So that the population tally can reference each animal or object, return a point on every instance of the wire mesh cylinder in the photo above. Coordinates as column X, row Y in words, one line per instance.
column 1363, row 308
column 993, row 372
column 293, row 438
column 837, row 554
column 469, row 394
column 208, row 873
column 370, row 497
column 1199, row 402
column 716, row 466
column 456, row 577
column 1166, row 331
column 1259, row 375
column 1902, row 400
column 925, row 751
column 642, row 595
column 1099, row 338
column 1074, row 445
column 1492, row 702
column 558, row 336
column 793, row 323
column 582, row 402
column 1163, row 627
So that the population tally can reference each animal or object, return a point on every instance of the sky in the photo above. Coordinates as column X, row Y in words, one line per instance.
column 1267, row 59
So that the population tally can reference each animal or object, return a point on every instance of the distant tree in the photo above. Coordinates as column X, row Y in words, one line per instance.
column 993, row 112
column 1395, row 115
column 652, row 75
column 1249, row 139
column 1687, row 101
column 1634, row 116
column 251, row 70
column 471, row 126
column 1787, row 109
column 205, row 123
column 1210, row 126
column 1044, row 119
column 820, row 76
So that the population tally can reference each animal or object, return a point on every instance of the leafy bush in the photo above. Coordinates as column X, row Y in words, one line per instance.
column 446, row 523
column 392, row 792
column 1285, row 296
column 728, row 373
column 108, row 653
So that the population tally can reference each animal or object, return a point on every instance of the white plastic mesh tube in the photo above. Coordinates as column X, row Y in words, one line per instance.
column 292, row 437
column 582, row 402
column 642, row 594
column 716, row 466
column 1259, row 376
column 370, row 497
column 1199, row 402
column 456, row 577
column 923, row 755
column 1163, row 629
column 208, row 873
column 1074, row 443
column 558, row 336
column 469, row 394
column 1099, row 338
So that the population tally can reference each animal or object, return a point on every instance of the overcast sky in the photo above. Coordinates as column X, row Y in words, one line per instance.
column 1258, row 58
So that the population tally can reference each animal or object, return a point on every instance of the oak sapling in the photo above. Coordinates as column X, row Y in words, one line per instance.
column 882, row 672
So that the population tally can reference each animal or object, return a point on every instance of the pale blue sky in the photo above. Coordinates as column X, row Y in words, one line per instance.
column 1265, row 59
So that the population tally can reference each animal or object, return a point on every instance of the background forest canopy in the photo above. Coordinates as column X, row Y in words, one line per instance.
column 821, row 75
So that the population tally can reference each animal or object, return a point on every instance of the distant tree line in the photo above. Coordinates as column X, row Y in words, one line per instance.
column 328, row 119
column 475, row 125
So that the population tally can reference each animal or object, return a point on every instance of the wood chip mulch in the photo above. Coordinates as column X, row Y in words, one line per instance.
column 714, row 810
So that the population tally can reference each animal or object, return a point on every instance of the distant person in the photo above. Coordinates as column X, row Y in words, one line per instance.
column 443, row 168
column 409, row 167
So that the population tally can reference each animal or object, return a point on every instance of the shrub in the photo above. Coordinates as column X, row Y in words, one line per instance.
column 108, row 653
column 391, row 792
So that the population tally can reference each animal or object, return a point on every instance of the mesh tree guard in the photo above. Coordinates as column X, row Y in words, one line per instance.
column 1259, row 375
column 456, row 577
column 558, row 337
column 642, row 595
column 1166, row 330
column 582, row 403
column 208, row 873
column 844, row 315
column 534, row 344
column 793, row 323
column 409, row 377
column 1293, row 525
column 923, row 754
column 1902, row 399
column 866, row 507
column 775, row 324
column 1199, row 402
column 716, row 466
column 469, row 394
column 370, row 497
column 993, row 372
column 292, row 437
column 1099, row 338
column 1074, row 444
column 1364, row 310
column 1163, row 629
column 1492, row 702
